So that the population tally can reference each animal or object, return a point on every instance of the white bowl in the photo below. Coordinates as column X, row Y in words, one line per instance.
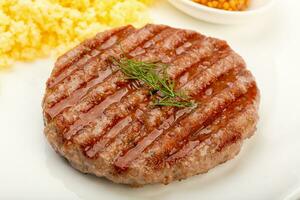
column 256, row 10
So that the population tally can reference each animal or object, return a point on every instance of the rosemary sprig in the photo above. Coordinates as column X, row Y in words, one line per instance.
column 153, row 74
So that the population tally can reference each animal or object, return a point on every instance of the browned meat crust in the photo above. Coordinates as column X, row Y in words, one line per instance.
column 104, row 126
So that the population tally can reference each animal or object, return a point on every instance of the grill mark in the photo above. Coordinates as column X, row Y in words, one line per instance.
column 151, row 43
column 221, row 136
column 128, row 136
column 151, row 30
column 168, row 56
column 178, row 42
column 111, row 41
column 176, row 74
column 78, row 94
column 80, row 53
column 66, row 102
column 217, row 87
column 238, row 126
column 174, row 141
column 73, row 119
column 92, row 150
column 223, row 48
column 201, row 49
column 87, row 117
column 189, row 123
column 212, row 126
column 141, row 135
column 90, row 72
column 164, row 50
column 123, row 82
column 164, row 113
column 83, row 73
column 171, row 117
column 90, row 58
column 155, row 116
column 131, row 125
column 129, row 131
column 205, row 82
column 222, row 66
column 151, row 47
column 112, row 115
column 95, row 96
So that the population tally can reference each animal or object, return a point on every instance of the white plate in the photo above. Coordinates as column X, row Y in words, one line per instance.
column 257, row 9
column 267, row 167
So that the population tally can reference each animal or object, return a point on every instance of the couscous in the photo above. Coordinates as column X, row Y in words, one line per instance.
column 31, row 29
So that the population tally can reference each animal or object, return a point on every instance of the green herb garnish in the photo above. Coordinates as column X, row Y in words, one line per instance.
column 153, row 74
column 166, row 101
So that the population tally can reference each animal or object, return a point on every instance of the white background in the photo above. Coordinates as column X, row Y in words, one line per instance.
column 268, row 166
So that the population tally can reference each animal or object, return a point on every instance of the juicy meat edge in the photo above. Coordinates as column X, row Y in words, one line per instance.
column 191, row 165
column 195, row 163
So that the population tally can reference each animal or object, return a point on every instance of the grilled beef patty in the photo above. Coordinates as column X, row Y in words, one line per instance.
column 103, row 124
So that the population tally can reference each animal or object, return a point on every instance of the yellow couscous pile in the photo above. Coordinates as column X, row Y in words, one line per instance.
column 30, row 29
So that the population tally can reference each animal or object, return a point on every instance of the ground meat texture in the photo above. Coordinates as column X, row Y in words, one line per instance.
column 102, row 123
